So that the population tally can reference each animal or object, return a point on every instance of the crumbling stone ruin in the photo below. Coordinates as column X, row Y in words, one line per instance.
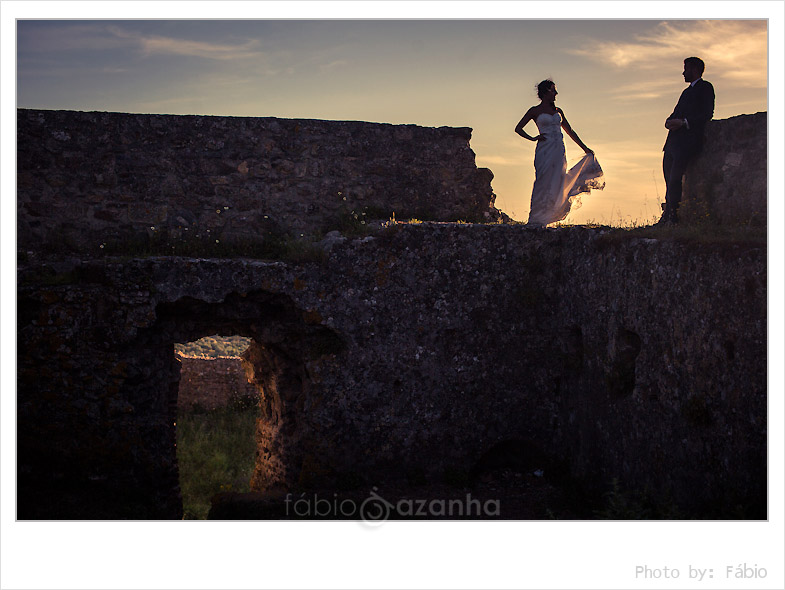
column 210, row 383
column 728, row 182
column 89, row 180
column 413, row 348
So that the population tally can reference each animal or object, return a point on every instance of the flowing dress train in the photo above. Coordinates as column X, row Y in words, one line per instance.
column 556, row 190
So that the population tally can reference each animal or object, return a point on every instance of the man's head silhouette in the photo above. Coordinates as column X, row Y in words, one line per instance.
column 693, row 69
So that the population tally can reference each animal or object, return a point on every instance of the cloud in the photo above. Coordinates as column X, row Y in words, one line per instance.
column 338, row 63
column 496, row 160
column 649, row 89
column 732, row 49
column 35, row 39
column 99, row 37
column 153, row 44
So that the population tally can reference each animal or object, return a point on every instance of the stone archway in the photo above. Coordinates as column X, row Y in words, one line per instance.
column 283, row 340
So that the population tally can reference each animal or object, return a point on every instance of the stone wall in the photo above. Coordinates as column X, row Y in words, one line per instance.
column 209, row 383
column 419, row 350
column 727, row 182
column 87, row 180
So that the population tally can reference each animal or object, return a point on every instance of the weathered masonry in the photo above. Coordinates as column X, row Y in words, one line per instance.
column 416, row 351
column 87, row 180
column 209, row 383
column 418, row 348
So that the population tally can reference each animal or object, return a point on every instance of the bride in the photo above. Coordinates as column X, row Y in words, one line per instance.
column 555, row 188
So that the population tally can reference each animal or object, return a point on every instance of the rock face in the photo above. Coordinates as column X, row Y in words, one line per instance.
column 87, row 180
column 726, row 183
column 209, row 383
column 420, row 350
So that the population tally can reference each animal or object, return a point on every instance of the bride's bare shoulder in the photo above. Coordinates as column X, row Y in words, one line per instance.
column 535, row 111
column 531, row 114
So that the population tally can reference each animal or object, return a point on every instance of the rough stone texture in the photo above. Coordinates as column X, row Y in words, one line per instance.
column 90, row 178
column 209, row 383
column 420, row 351
column 726, row 183
column 424, row 350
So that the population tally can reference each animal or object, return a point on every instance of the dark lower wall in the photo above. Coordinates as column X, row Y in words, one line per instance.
column 674, row 371
column 87, row 180
column 415, row 351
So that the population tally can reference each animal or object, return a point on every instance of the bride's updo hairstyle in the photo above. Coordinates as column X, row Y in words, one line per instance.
column 543, row 87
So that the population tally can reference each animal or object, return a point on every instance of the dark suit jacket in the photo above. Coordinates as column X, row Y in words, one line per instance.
column 696, row 104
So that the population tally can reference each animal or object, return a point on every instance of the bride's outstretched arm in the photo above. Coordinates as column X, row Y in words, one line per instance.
column 522, row 123
column 568, row 130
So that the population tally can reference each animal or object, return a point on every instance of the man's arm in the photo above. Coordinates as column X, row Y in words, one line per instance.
column 676, row 118
column 696, row 112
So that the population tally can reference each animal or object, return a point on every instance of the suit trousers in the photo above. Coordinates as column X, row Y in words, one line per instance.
column 674, row 164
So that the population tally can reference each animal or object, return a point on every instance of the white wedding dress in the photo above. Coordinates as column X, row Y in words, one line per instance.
column 557, row 190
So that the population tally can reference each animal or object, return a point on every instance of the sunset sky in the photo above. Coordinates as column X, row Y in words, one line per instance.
column 617, row 79
column 617, row 66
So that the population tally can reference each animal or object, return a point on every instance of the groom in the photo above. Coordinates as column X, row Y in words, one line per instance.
column 685, row 133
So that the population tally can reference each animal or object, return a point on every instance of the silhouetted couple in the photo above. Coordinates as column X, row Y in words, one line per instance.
column 556, row 189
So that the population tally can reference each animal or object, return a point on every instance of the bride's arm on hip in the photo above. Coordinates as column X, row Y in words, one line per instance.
column 522, row 123
column 568, row 130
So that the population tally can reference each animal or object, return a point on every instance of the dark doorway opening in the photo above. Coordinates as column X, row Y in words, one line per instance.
column 217, row 410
